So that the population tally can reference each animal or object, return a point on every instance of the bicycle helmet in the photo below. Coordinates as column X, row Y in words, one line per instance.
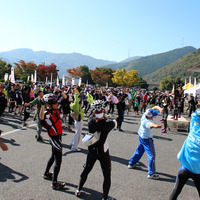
column 97, row 106
column 50, row 99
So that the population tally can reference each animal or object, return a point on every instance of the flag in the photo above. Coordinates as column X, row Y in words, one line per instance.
column 66, row 82
column 63, row 81
column 12, row 75
column 51, row 79
column 73, row 81
column 57, row 81
column 35, row 77
column 185, row 81
column 195, row 81
column 6, row 77
column 28, row 78
column 32, row 79
column 79, row 82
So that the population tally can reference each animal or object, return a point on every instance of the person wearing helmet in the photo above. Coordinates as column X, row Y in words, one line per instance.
column 50, row 119
column 99, row 150
column 146, row 144
column 189, row 157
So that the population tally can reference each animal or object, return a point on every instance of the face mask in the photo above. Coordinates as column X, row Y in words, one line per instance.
column 99, row 115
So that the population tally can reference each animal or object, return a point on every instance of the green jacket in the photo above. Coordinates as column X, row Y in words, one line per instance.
column 90, row 98
column 36, row 102
column 75, row 106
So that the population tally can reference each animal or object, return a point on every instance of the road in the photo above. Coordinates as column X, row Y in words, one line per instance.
column 21, row 167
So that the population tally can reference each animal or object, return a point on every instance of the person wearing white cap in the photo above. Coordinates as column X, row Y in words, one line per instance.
column 146, row 144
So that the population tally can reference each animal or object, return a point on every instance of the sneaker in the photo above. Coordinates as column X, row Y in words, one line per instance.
column 78, row 193
column 48, row 176
column 153, row 176
column 120, row 130
column 58, row 186
column 76, row 149
column 25, row 125
column 131, row 166
column 39, row 138
column 110, row 198
column 161, row 120
column 172, row 117
column 164, row 131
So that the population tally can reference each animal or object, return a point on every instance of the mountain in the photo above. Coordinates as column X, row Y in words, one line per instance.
column 63, row 61
column 178, row 68
column 131, row 59
column 148, row 64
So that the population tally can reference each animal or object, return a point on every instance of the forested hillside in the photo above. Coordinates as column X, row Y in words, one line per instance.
column 149, row 64
column 178, row 68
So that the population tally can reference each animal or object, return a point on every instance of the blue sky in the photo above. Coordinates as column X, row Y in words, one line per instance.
column 104, row 29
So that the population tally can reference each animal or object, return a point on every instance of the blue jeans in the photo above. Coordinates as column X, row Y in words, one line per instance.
column 145, row 145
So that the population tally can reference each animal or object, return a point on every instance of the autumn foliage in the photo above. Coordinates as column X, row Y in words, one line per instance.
column 23, row 69
column 123, row 78
column 73, row 73
column 99, row 77
column 44, row 71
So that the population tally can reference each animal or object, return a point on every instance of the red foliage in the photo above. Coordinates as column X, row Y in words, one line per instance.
column 44, row 71
column 73, row 73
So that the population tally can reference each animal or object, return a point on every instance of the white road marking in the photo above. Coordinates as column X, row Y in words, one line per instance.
column 7, row 133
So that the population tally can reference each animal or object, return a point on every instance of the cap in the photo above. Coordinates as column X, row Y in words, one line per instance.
column 150, row 112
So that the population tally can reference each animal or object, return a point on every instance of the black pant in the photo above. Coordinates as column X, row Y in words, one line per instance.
column 181, row 180
column 104, row 159
column 55, row 156
column 111, row 108
column 120, row 115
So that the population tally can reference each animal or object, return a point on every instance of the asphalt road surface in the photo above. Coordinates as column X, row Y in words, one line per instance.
column 22, row 166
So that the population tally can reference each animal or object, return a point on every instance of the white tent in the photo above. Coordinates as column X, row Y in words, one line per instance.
column 194, row 91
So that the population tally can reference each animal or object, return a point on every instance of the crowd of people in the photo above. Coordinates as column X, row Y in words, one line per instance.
column 58, row 106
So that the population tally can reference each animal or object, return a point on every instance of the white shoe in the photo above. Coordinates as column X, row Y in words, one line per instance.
column 131, row 166
column 76, row 149
column 78, row 193
column 153, row 176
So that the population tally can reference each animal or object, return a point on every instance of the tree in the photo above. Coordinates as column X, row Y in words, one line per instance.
column 154, row 88
column 4, row 68
column 85, row 74
column 123, row 78
column 166, row 83
column 109, row 72
column 44, row 71
column 142, row 83
column 23, row 69
column 99, row 77
column 73, row 73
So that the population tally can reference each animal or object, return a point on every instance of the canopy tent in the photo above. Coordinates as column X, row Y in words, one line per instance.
column 188, row 86
column 193, row 91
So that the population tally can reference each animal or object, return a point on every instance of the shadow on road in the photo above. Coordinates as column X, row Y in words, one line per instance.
column 11, row 141
column 87, row 193
column 8, row 173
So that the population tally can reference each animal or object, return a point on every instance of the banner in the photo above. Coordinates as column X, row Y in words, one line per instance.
column 51, row 79
column 57, row 81
column 79, row 82
column 32, row 79
column 35, row 77
column 63, row 81
column 6, row 77
column 73, row 81
column 12, row 75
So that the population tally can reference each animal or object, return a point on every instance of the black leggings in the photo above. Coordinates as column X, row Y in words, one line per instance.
column 57, row 157
column 120, row 115
column 181, row 180
column 104, row 159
